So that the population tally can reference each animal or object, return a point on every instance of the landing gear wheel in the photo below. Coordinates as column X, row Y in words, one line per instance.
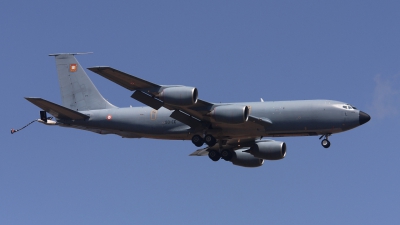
column 210, row 140
column 226, row 155
column 214, row 155
column 197, row 140
column 325, row 143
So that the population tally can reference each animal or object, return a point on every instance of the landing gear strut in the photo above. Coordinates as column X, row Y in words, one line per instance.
column 325, row 142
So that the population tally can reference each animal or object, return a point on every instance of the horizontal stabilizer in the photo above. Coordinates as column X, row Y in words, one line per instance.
column 123, row 79
column 57, row 111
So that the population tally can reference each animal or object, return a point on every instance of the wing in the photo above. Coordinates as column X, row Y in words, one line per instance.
column 196, row 114
column 127, row 81
column 149, row 94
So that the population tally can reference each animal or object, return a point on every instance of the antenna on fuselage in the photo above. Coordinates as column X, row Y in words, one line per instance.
column 262, row 100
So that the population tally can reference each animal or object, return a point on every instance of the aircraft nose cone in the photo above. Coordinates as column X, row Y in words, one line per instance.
column 363, row 117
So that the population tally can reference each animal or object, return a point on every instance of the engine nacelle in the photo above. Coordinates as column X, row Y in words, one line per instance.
column 233, row 114
column 270, row 150
column 181, row 96
column 245, row 159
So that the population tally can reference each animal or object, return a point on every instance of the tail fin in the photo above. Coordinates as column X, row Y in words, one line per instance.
column 77, row 90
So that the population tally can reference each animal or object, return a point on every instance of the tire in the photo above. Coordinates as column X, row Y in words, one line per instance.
column 226, row 155
column 197, row 140
column 325, row 143
column 210, row 140
column 214, row 155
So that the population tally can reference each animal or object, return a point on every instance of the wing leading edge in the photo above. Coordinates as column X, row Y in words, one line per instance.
column 125, row 80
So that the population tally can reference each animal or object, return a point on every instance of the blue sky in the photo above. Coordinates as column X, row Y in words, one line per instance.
column 231, row 51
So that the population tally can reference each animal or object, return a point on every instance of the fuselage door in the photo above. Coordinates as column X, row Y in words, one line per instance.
column 153, row 115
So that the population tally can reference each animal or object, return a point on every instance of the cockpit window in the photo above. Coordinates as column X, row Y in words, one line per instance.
column 348, row 106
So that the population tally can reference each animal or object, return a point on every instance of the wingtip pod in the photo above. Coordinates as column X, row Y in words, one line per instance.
column 77, row 53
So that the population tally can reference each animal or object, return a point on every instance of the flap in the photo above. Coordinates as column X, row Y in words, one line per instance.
column 200, row 152
column 186, row 119
column 261, row 121
column 147, row 100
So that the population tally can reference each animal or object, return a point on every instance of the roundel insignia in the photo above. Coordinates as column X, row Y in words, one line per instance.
column 72, row 67
column 109, row 117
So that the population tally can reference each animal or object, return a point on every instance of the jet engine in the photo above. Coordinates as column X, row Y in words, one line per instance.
column 233, row 114
column 241, row 158
column 182, row 96
column 270, row 150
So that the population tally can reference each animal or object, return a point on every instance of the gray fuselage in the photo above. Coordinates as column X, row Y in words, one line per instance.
column 289, row 118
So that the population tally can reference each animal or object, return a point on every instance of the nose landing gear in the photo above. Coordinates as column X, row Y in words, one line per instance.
column 325, row 142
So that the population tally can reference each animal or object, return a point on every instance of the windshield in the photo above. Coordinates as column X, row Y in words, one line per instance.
column 348, row 106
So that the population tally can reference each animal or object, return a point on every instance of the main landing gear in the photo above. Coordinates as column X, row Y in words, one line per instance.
column 208, row 139
column 225, row 154
column 213, row 154
column 325, row 142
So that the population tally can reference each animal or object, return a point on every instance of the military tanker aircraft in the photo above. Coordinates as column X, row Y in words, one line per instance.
column 231, row 131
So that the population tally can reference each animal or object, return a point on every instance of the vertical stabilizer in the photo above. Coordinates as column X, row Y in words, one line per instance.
column 77, row 90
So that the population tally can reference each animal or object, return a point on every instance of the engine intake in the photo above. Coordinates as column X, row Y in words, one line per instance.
column 233, row 114
column 181, row 96
column 270, row 150
column 241, row 158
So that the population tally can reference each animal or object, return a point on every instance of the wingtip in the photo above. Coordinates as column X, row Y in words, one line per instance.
column 27, row 98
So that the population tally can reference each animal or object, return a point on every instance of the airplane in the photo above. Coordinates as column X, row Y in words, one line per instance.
column 232, row 131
